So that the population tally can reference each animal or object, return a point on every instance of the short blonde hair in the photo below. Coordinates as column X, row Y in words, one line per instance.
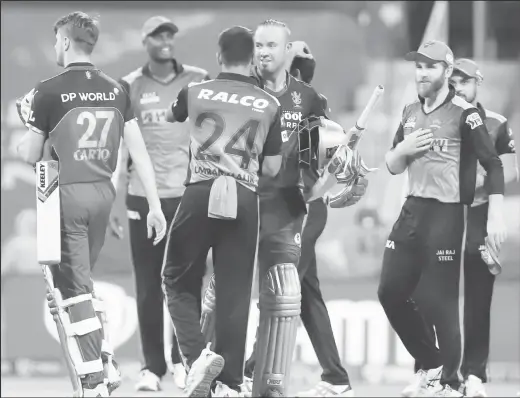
column 81, row 28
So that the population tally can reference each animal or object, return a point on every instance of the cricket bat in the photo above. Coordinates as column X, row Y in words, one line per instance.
column 328, row 179
column 48, row 218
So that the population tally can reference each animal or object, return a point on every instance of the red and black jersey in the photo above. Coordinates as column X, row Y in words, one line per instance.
column 233, row 123
column 82, row 113
column 298, row 100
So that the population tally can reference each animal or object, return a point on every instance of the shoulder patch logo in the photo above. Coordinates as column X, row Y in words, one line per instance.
column 296, row 99
column 88, row 74
column 473, row 120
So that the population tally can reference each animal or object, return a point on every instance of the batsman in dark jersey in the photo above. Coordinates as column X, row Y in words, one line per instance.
column 152, row 89
column 439, row 141
column 236, row 135
column 282, row 214
column 79, row 118
column 480, row 267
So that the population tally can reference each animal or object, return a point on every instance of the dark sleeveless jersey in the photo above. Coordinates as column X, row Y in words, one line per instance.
column 299, row 100
column 448, row 171
column 166, row 143
column 233, row 123
column 82, row 113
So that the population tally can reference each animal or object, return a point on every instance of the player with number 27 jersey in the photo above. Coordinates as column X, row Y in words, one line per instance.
column 236, row 122
column 82, row 113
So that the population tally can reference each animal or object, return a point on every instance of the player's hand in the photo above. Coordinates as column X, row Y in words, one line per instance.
column 416, row 143
column 350, row 165
column 155, row 221
column 357, row 191
column 300, row 49
column 115, row 226
column 497, row 232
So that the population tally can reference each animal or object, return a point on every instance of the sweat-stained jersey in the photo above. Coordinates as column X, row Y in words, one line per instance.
column 448, row 171
column 299, row 100
column 167, row 143
column 233, row 123
column 81, row 113
column 502, row 138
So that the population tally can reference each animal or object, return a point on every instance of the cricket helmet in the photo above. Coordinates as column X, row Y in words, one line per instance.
column 318, row 139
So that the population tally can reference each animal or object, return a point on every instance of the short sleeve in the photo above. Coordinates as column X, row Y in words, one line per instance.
column 273, row 141
column 399, row 136
column 180, row 106
column 129, row 110
column 40, row 109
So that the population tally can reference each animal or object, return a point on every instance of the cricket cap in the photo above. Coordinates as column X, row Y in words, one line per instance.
column 154, row 23
column 468, row 67
column 433, row 50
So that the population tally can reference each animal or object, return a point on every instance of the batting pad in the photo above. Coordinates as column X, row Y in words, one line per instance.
column 280, row 307
column 207, row 317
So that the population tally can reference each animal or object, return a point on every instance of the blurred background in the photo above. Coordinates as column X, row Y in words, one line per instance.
column 357, row 45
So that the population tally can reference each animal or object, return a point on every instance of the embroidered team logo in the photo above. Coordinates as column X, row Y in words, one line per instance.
column 296, row 99
column 474, row 120
column 116, row 91
column 410, row 122
column 88, row 74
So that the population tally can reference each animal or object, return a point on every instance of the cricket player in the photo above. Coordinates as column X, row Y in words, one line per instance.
column 236, row 134
column 334, row 379
column 480, row 268
column 152, row 88
column 79, row 118
column 439, row 140
column 282, row 211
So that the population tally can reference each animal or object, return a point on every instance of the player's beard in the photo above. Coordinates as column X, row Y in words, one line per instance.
column 432, row 88
column 469, row 97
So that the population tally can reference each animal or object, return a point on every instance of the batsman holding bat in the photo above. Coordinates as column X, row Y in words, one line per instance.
column 77, row 119
column 282, row 214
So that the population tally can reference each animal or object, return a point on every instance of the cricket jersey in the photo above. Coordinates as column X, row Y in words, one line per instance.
column 167, row 143
column 233, row 123
column 448, row 171
column 81, row 113
column 502, row 137
column 299, row 100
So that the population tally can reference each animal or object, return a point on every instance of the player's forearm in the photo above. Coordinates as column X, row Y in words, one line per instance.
column 396, row 161
column 510, row 168
column 28, row 150
column 144, row 168
column 120, row 169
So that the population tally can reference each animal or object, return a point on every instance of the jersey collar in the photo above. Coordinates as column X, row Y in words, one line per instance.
column 238, row 77
column 176, row 66
column 79, row 66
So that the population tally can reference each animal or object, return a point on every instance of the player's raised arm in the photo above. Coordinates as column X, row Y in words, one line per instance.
column 178, row 112
column 33, row 111
column 272, row 147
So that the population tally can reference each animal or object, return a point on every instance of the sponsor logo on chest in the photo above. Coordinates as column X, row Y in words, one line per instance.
column 292, row 119
column 149, row 98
